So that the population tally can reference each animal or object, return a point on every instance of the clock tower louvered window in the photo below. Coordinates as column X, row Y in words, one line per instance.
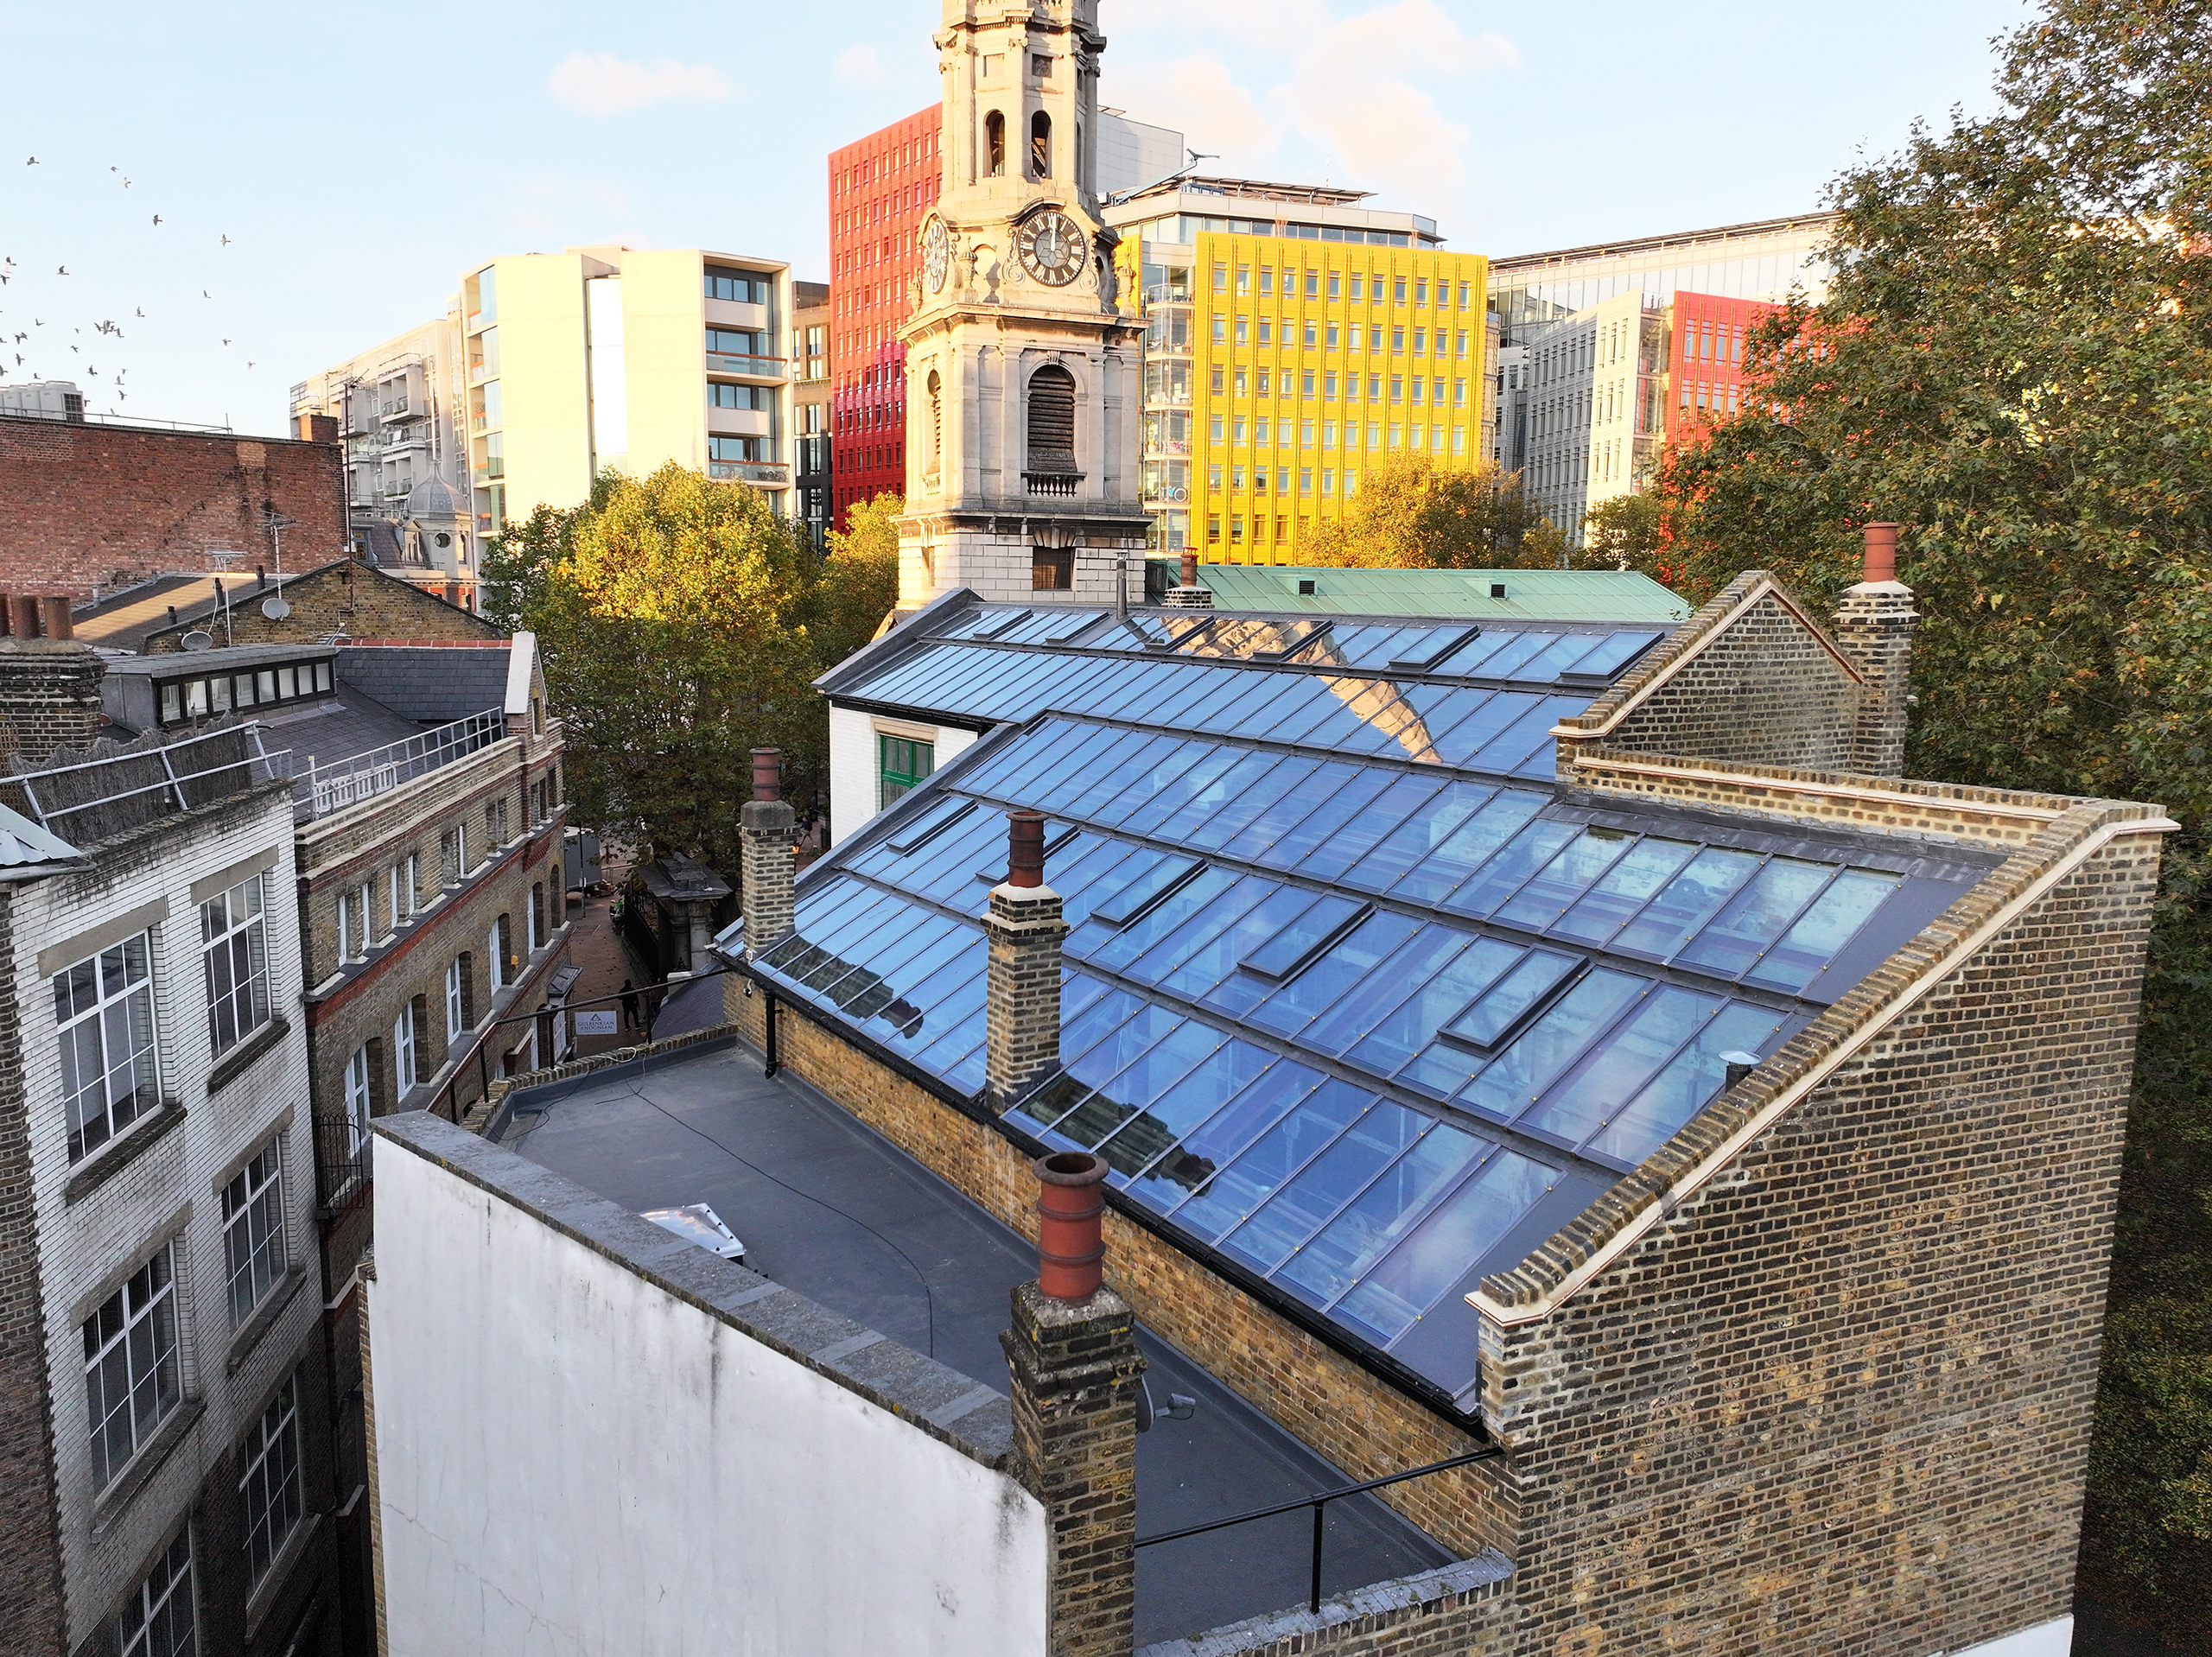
column 1051, row 422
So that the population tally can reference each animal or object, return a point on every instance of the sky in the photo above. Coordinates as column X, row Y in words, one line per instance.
column 244, row 195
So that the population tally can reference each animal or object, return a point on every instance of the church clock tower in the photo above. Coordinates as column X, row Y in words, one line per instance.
column 1022, row 391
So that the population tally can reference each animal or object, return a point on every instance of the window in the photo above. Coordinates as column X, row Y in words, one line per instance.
column 402, row 1046
column 253, row 1218
column 268, row 1481
column 1041, row 66
column 503, row 951
column 1398, row 290
column 1305, row 480
column 236, row 956
column 537, row 917
column 1213, row 529
column 904, row 763
column 1244, row 330
column 1328, row 388
column 740, row 342
column 104, row 1016
column 1354, row 290
column 735, row 284
column 131, row 1364
column 1421, row 292
column 1221, row 278
column 1336, row 284
column 457, row 996
column 720, row 396
column 1375, row 339
column 156, row 1620
column 1221, row 330
column 1267, row 279
column 1305, row 385
column 1262, row 378
column 1040, row 145
column 1237, row 530
column 1265, row 326
column 360, row 1077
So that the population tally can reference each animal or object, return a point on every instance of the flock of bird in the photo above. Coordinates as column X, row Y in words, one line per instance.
column 26, row 367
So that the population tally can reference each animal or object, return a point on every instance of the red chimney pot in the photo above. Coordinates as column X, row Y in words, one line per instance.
column 1070, row 1234
column 1025, row 848
column 1881, row 552
column 768, row 774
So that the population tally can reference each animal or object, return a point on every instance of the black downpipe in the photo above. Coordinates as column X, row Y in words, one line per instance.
column 769, row 1014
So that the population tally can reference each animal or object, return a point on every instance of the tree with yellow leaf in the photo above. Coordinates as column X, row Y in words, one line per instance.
column 1412, row 514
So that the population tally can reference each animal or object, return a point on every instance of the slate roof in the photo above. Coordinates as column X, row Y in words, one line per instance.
column 1359, row 1004
column 433, row 683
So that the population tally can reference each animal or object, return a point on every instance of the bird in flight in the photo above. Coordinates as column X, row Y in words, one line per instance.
column 157, row 219
column 61, row 270
column 33, row 161
column 227, row 241
column 141, row 311
column 204, row 294
column 226, row 342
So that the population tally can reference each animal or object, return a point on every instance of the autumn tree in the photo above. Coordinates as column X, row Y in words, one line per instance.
column 1413, row 514
column 859, row 580
column 672, row 617
column 2013, row 359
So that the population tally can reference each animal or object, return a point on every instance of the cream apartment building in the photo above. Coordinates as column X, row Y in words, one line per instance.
column 549, row 368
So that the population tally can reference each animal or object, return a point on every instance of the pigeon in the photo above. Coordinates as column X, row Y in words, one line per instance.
column 157, row 219
column 33, row 161
column 126, row 184
column 61, row 270
column 226, row 342
column 249, row 364
column 3, row 275
column 139, row 312
column 227, row 241
column 204, row 294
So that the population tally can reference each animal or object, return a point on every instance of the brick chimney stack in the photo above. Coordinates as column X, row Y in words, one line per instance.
column 767, row 832
column 1022, row 999
column 49, row 694
column 1073, row 1355
column 1875, row 623
column 1190, row 595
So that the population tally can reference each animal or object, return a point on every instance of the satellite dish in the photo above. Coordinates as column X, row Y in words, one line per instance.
column 199, row 641
column 276, row 609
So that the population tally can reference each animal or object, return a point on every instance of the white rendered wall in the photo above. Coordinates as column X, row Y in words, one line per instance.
column 853, row 769
column 2051, row 1639
column 572, row 1460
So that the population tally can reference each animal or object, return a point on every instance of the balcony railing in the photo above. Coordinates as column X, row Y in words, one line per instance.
column 320, row 790
column 491, row 471
column 750, row 471
column 1161, row 293
column 759, row 368
column 395, row 407
column 1174, row 492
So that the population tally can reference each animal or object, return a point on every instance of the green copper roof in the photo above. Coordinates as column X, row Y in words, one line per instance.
column 1530, row 594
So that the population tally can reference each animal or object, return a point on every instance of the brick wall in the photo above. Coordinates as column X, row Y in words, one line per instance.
column 1358, row 1421
column 95, row 506
column 346, row 597
column 1837, row 1398
column 49, row 696
column 1750, row 678
column 30, row 1518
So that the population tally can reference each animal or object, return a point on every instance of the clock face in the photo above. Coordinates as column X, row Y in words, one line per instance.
column 1053, row 248
column 936, row 254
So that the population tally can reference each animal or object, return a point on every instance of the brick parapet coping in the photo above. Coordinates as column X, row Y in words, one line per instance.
column 1364, row 1619
column 490, row 1116
column 974, row 1418
column 1688, row 641
column 1581, row 1250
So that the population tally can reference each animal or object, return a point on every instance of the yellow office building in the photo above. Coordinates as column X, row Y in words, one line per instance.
column 1292, row 341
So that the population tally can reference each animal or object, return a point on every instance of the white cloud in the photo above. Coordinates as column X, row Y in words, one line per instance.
column 1200, row 97
column 859, row 66
column 602, row 84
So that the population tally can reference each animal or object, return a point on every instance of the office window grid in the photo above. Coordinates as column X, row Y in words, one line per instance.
column 159, row 1618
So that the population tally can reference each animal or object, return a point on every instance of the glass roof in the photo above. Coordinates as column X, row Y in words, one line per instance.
column 1366, row 1018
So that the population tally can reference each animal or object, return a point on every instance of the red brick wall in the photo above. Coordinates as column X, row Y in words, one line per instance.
column 93, row 505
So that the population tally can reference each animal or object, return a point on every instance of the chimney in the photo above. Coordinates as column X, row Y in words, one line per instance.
column 49, row 695
column 1875, row 623
column 1076, row 1370
column 767, row 832
column 1022, row 1003
column 1190, row 595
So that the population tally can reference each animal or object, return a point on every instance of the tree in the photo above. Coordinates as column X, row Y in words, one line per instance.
column 2014, row 361
column 1412, row 514
column 671, row 615
column 1630, row 532
column 859, row 582
column 513, row 569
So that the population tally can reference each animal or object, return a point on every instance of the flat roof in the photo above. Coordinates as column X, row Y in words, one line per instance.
column 832, row 1210
column 183, row 664
column 1523, row 264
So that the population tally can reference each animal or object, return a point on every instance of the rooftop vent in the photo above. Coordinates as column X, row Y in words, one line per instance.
column 1497, row 589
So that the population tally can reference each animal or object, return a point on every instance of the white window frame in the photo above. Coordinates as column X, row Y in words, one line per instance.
column 403, row 1050
column 253, row 1230
column 456, row 1010
column 499, row 960
column 234, row 960
column 270, row 1480
column 360, row 1098
column 105, row 1030
column 161, row 1616
column 133, row 1365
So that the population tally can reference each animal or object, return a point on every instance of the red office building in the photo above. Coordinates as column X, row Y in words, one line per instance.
column 880, row 189
column 1705, row 358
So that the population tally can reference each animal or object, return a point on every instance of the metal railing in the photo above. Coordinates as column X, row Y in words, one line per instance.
column 1318, row 1502
column 729, row 362
column 135, row 785
column 750, row 471
column 320, row 790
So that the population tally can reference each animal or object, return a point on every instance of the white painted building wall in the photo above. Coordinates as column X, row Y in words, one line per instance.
column 856, row 765
column 573, row 1460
